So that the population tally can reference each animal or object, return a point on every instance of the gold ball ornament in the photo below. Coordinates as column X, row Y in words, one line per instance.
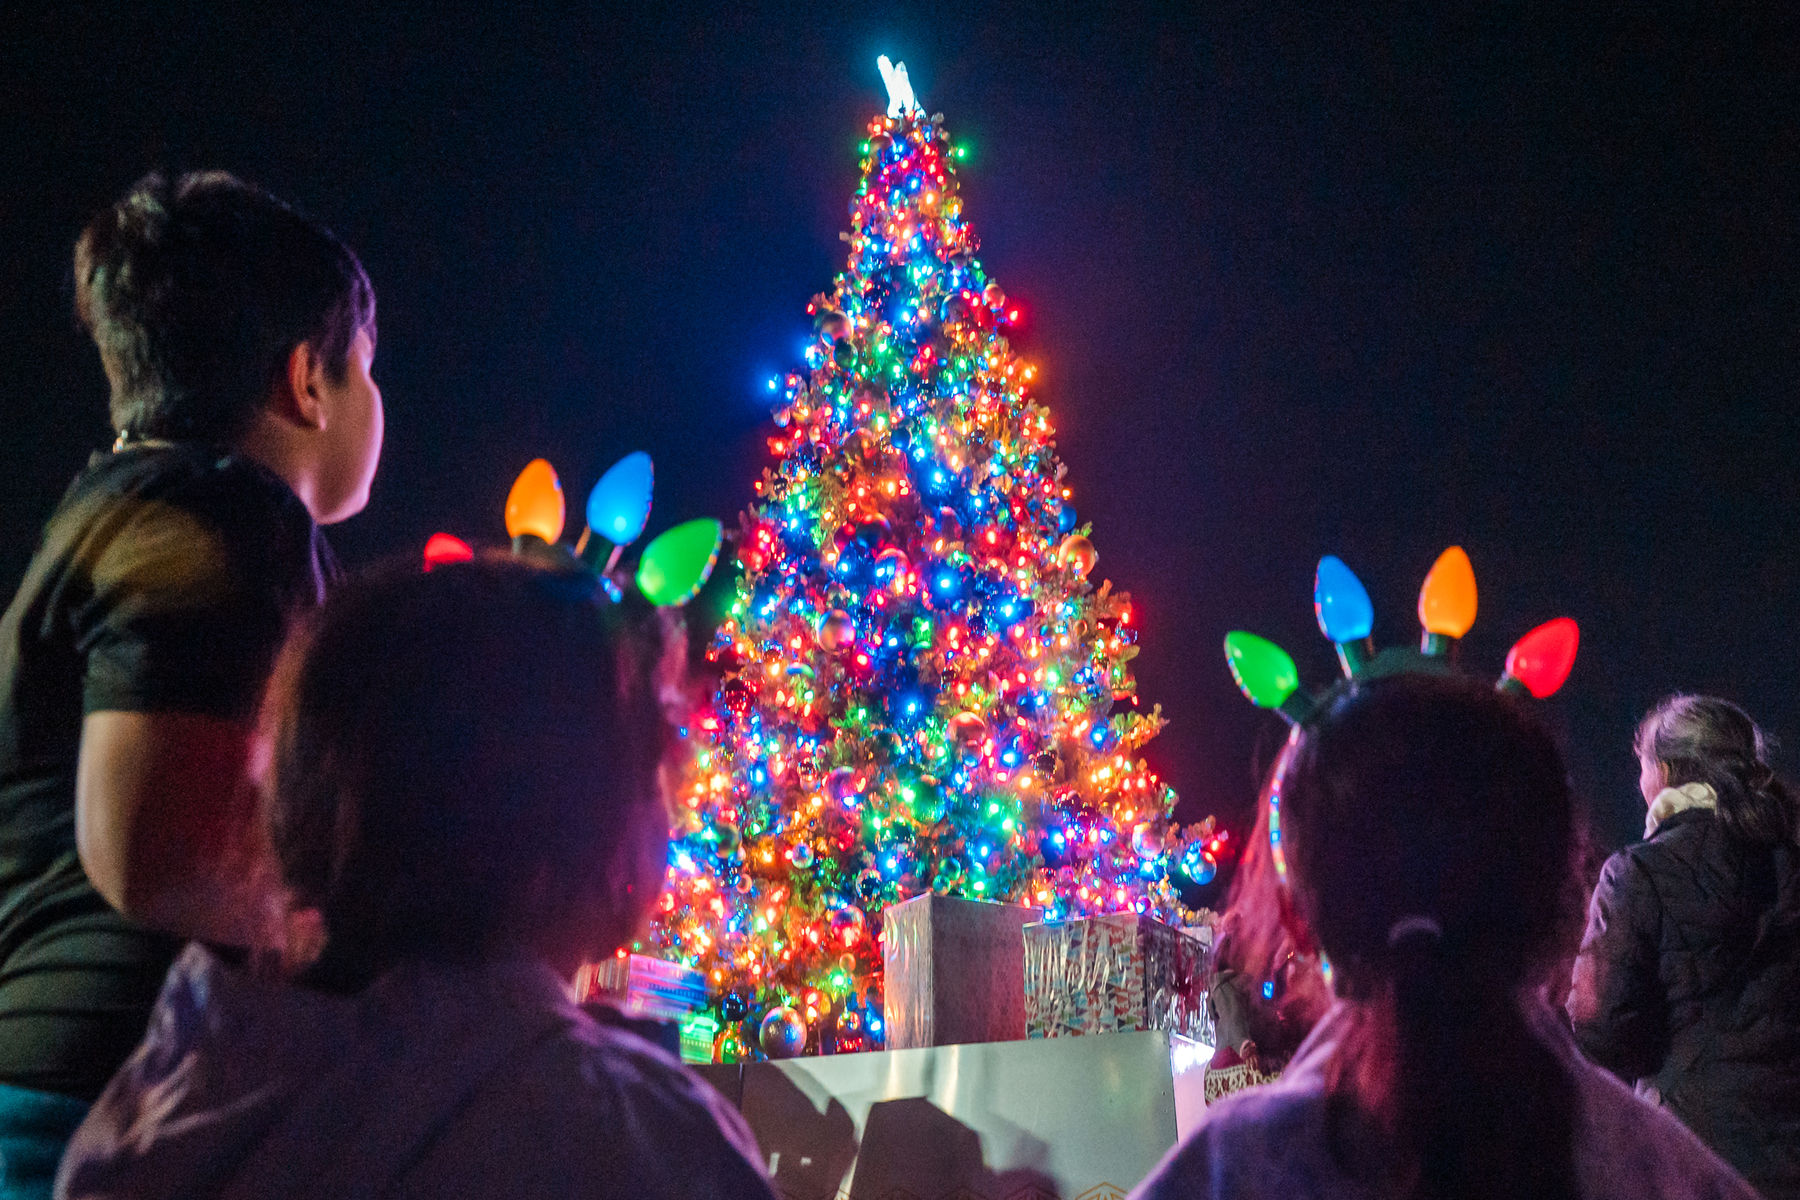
column 730, row 1047
column 1077, row 553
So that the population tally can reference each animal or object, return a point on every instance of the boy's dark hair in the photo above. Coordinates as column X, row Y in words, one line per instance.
column 1429, row 834
column 459, row 757
column 197, row 291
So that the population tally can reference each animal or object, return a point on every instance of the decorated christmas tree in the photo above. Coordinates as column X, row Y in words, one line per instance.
column 923, row 686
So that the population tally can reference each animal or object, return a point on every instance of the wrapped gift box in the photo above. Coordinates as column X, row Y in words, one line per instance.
column 642, row 987
column 1113, row 973
column 954, row 971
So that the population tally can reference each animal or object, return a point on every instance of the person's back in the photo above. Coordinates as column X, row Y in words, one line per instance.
column 163, row 582
column 438, row 1080
column 465, row 806
column 134, row 655
column 1422, row 840
column 1689, row 977
column 1288, row 1138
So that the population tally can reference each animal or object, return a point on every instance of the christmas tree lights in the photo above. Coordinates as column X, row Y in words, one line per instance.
column 922, row 689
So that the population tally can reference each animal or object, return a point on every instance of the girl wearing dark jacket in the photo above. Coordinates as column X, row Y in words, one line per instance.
column 1688, row 981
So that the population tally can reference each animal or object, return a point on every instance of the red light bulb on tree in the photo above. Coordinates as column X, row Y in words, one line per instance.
column 1540, row 661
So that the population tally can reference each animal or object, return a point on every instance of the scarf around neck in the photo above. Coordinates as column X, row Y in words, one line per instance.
column 1670, row 801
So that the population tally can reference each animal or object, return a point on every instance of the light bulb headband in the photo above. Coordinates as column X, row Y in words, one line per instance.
column 673, row 568
column 1537, row 664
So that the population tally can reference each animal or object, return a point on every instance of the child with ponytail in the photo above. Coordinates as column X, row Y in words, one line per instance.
column 1423, row 846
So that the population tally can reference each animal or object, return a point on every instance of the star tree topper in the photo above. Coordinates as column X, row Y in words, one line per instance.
column 899, row 88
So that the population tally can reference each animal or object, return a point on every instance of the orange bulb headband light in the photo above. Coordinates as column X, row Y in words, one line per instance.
column 535, row 507
column 1447, row 601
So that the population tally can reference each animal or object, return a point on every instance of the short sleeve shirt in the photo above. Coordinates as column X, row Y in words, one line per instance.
column 165, row 582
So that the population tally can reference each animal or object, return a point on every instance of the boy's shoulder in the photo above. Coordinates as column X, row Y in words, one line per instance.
column 188, row 523
column 1267, row 1140
column 216, row 485
column 611, row 1066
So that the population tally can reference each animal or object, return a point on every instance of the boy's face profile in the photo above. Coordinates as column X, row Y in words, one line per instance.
column 350, row 442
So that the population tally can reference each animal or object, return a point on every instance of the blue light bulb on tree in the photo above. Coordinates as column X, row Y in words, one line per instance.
column 1345, row 614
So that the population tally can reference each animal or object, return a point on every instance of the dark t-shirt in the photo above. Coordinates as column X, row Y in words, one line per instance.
column 164, row 583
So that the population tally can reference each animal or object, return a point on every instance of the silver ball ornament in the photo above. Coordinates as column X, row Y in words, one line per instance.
column 783, row 1033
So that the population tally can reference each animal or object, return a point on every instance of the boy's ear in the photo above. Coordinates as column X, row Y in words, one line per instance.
column 298, row 395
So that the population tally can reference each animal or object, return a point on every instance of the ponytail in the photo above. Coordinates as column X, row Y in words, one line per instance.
column 1481, row 1105
column 1757, row 807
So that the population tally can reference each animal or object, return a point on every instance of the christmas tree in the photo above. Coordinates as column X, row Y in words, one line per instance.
column 923, row 687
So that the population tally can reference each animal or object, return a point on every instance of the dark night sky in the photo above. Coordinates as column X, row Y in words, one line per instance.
column 1296, row 285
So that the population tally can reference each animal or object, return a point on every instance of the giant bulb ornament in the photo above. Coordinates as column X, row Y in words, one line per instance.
column 444, row 549
column 1340, row 602
column 1264, row 671
column 620, row 502
column 1447, row 600
column 783, row 1033
column 677, row 563
column 1345, row 614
